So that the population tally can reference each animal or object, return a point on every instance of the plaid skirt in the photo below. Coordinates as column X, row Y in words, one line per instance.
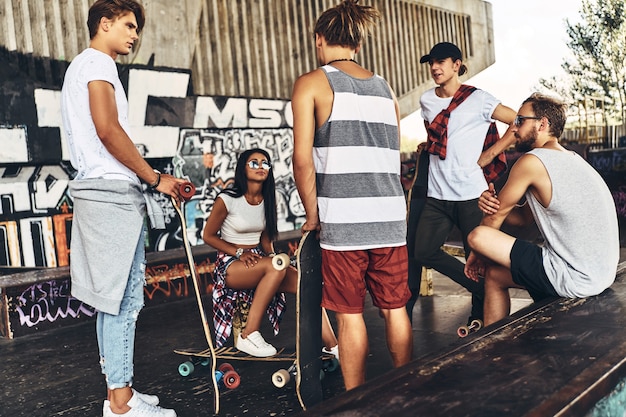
column 224, row 300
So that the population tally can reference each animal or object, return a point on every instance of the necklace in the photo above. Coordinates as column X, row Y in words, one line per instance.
column 252, row 201
column 342, row 59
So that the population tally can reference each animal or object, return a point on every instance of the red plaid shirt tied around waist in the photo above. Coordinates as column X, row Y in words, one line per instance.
column 438, row 135
column 225, row 300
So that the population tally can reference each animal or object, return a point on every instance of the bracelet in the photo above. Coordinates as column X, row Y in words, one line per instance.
column 156, row 183
column 238, row 253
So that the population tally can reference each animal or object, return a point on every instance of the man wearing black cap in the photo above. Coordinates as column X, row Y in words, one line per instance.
column 465, row 153
column 443, row 50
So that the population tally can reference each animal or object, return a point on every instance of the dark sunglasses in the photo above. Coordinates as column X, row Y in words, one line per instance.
column 520, row 119
column 254, row 164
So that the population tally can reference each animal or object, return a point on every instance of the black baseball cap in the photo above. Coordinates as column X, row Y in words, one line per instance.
column 441, row 51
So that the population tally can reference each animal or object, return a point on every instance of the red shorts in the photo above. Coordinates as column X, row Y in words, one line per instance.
column 349, row 274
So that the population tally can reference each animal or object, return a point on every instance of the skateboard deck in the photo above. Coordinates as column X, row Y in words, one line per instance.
column 233, row 354
column 187, row 190
column 309, row 321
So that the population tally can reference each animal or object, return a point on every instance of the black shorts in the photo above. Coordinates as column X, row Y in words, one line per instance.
column 527, row 270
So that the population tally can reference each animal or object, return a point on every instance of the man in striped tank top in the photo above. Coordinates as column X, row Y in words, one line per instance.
column 347, row 170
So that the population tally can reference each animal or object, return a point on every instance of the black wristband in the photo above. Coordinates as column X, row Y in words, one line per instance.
column 156, row 183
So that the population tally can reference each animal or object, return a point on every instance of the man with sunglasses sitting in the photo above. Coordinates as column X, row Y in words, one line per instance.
column 572, row 207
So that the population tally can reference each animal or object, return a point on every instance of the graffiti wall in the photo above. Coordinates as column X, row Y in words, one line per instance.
column 611, row 164
column 189, row 136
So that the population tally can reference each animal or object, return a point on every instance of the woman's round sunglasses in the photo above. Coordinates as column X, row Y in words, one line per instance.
column 254, row 164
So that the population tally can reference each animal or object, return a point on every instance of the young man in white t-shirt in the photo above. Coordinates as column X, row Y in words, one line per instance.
column 456, row 180
column 110, row 168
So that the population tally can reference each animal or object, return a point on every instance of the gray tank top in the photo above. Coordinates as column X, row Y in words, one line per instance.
column 581, row 249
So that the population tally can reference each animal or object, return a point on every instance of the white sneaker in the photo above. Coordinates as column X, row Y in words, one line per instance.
column 147, row 398
column 139, row 408
column 332, row 351
column 255, row 345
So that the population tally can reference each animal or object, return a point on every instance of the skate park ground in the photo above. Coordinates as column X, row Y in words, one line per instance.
column 56, row 372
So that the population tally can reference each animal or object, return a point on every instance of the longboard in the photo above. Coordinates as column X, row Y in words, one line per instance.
column 233, row 354
column 309, row 321
column 187, row 190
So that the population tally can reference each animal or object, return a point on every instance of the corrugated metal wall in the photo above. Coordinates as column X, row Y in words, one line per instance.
column 253, row 48
column 239, row 53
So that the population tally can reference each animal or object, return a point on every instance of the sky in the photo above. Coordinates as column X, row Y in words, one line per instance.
column 530, row 43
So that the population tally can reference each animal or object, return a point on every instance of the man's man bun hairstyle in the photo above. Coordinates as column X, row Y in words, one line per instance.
column 346, row 24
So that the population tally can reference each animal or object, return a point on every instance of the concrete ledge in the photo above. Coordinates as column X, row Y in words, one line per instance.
column 557, row 357
column 39, row 298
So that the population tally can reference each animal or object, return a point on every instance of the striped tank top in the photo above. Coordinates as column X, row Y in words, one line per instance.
column 357, row 160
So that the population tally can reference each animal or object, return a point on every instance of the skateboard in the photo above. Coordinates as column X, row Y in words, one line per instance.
column 187, row 190
column 308, row 308
column 309, row 367
column 474, row 326
column 225, row 373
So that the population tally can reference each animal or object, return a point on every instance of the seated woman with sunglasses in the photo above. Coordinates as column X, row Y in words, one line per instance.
column 242, row 227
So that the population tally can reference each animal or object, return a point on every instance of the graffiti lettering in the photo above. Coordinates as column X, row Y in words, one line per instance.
column 609, row 161
column 165, row 279
column 14, row 186
column 49, row 301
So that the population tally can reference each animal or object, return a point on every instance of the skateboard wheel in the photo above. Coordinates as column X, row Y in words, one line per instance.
column 331, row 365
column 205, row 362
column 463, row 331
column 280, row 261
column 225, row 367
column 231, row 379
column 186, row 190
column 280, row 378
column 185, row 368
column 476, row 324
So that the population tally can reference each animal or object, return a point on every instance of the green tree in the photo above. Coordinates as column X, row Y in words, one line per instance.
column 598, row 66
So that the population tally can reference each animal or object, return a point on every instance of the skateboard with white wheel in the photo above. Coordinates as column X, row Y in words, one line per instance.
column 309, row 363
column 187, row 190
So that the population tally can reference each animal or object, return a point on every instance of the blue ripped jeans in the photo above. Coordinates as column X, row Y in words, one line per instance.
column 116, row 333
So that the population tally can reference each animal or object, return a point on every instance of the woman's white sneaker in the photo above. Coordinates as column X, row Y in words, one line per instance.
column 255, row 345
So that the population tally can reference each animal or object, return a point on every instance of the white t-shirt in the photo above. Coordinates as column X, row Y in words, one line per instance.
column 459, row 177
column 244, row 222
column 87, row 153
